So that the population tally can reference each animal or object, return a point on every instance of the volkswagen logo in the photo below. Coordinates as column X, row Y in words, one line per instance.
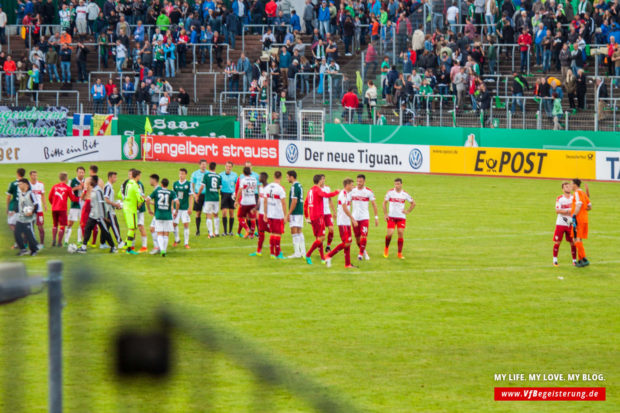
column 415, row 158
column 292, row 153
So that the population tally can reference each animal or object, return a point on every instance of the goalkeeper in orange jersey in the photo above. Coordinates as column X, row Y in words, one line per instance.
column 579, row 211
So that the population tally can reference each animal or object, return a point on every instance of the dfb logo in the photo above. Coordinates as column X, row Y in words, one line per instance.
column 292, row 153
column 415, row 158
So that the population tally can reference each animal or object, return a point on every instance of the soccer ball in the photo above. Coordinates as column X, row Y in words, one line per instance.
column 120, row 204
column 337, row 120
column 72, row 248
column 28, row 210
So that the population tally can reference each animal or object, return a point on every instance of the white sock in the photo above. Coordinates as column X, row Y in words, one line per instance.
column 186, row 235
column 67, row 234
column 160, row 242
column 302, row 244
column 176, row 234
column 79, row 235
column 165, row 240
column 297, row 244
column 210, row 226
column 145, row 241
column 155, row 237
column 216, row 222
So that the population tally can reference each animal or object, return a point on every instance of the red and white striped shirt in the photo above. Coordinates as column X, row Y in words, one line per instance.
column 359, row 202
column 396, row 202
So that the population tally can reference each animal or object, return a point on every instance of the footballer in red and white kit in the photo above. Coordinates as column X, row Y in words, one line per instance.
column 344, row 221
column 328, row 218
column 246, row 201
column 261, row 222
column 314, row 210
column 58, row 197
column 361, row 196
column 275, row 211
column 563, row 222
column 396, row 215
column 38, row 189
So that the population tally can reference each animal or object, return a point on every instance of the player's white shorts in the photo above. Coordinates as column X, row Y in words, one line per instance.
column 74, row 214
column 182, row 216
column 141, row 218
column 163, row 225
column 211, row 207
column 11, row 219
column 296, row 221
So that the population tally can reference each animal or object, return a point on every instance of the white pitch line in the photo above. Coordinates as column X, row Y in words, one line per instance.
column 413, row 271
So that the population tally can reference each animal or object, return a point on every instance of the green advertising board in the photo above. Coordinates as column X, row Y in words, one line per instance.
column 130, row 147
column 172, row 125
column 486, row 137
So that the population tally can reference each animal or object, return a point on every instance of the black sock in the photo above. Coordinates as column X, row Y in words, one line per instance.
column 232, row 224
column 198, row 219
column 224, row 224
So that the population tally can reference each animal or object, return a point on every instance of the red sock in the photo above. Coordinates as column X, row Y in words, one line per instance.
column 401, row 241
column 335, row 250
column 347, row 256
column 556, row 248
column 54, row 234
column 362, row 245
column 272, row 245
column 314, row 246
column 95, row 232
column 42, row 233
column 322, row 252
column 261, row 240
column 61, row 234
column 277, row 247
column 388, row 239
column 252, row 225
column 573, row 251
column 330, row 238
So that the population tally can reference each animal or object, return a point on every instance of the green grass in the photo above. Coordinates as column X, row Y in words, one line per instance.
column 476, row 296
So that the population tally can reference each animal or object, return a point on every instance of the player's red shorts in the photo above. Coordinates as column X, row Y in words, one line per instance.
column 345, row 233
column 40, row 220
column 318, row 227
column 263, row 226
column 361, row 229
column 246, row 210
column 582, row 230
column 276, row 226
column 85, row 213
column 59, row 218
column 396, row 222
column 329, row 222
column 561, row 231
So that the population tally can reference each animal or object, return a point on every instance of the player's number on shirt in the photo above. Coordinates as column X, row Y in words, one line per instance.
column 163, row 201
column 214, row 184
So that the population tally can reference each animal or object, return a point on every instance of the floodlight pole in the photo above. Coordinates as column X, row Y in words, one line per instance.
column 54, row 305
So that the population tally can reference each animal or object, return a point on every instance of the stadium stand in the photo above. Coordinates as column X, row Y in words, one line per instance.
column 437, row 62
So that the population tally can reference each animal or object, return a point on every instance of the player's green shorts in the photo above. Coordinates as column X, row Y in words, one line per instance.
column 131, row 219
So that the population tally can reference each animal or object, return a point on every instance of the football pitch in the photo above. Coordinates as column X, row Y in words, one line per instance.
column 476, row 296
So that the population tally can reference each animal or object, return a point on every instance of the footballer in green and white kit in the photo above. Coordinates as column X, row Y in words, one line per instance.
column 166, row 208
column 183, row 190
column 212, row 184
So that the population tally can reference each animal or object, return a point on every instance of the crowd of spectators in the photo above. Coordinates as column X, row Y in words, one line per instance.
column 417, row 52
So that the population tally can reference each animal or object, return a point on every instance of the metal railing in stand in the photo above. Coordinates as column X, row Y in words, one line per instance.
column 121, row 76
column 263, row 28
column 303, row 79
column 203, row 47
column 600, row 109
column 238, row 95
column 333, row 88
column 56, row 92
column 215, row 75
